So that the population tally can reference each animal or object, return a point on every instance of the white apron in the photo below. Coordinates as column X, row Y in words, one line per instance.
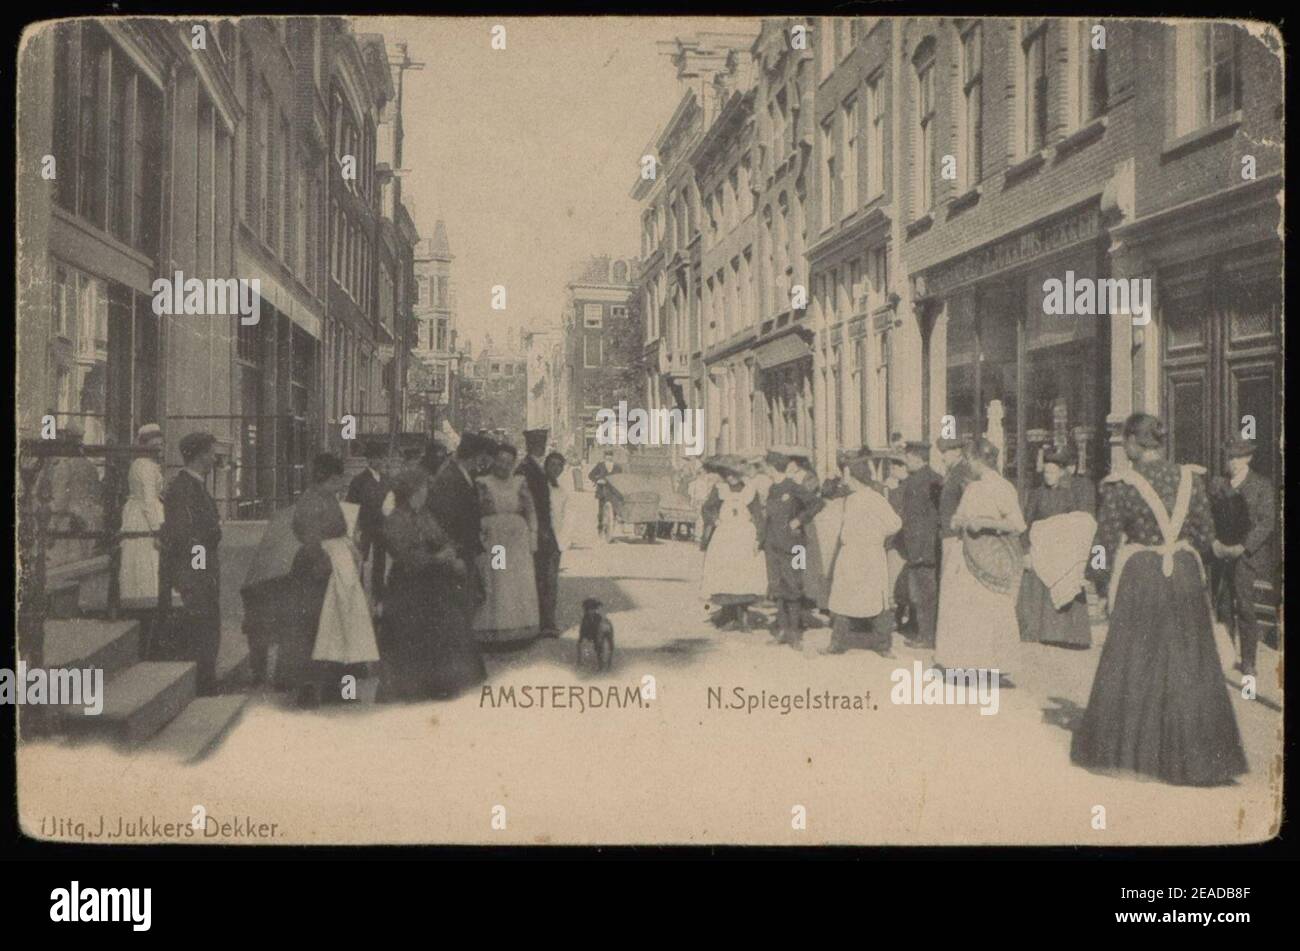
column 345, row 634
column 733, row 563
column 860, row 582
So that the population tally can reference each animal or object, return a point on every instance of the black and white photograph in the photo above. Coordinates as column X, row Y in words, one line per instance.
column 649, row 431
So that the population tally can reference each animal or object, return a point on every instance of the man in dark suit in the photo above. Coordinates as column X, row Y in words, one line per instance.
column 368, row 490
column 599, row 476
column 546, row 560
column 1251, row 558
column 454, row 504
column 919, row 539
column 190, row 565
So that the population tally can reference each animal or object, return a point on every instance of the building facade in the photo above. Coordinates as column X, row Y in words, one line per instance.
column 867, row 346
column 435, row 312
column 598, row 346
column 213, row 148
column 919, row 183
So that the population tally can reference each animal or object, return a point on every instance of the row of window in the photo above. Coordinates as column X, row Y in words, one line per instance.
column 282, row 196
column 108, row 137
column 860, row 286
column 432, row 290
column 853, row 146
column 351, row 257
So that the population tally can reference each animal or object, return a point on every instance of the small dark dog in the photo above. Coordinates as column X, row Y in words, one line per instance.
column 597, row 630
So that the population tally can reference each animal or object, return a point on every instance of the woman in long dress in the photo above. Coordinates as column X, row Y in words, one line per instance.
column 977, row 626
column 317, row 518
column 1159, row 705
column 1040, row 619
column 143, row 513
column 735, row 568
column 424, row 566
column 509, row 613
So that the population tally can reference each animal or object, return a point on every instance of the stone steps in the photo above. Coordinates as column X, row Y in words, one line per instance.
column 199, row 729
column 138, row 702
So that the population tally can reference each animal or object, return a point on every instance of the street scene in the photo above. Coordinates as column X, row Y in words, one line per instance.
column 852, row 430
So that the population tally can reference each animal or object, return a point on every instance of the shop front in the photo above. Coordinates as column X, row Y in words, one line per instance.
column 1001, row 362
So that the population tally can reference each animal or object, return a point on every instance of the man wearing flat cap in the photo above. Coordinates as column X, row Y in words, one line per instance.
column 546, row 560
column 1245, row 546
column 189, row 564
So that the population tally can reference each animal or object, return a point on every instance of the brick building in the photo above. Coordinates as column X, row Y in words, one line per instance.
column 597, row 346
column 867, row 347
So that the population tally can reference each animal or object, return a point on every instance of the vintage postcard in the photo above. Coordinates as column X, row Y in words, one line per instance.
column 635, row 430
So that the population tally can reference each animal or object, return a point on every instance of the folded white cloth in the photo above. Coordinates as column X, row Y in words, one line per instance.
column 1061, row 546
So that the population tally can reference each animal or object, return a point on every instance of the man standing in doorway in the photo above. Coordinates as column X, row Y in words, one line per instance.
column 1250, row 559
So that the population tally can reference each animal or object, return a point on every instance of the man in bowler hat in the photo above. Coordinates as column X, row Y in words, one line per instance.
column 1248, row 556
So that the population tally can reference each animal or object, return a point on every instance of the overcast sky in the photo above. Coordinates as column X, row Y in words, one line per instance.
column 529, row 153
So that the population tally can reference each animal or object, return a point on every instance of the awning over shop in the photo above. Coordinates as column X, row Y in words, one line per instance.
column 781, row 350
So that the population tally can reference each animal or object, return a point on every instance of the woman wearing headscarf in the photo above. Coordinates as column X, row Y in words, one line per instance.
column 142, row 518
column 1159, row 705
column 735, row 569
column 1052, row 607
column 977, row 626
column 509, row 612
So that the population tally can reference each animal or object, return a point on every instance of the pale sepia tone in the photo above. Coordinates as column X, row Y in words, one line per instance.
column 623, row 430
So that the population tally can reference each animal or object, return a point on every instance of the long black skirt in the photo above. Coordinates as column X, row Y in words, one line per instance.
column 1159, row 705
column 1042, row 622
column 426, row 648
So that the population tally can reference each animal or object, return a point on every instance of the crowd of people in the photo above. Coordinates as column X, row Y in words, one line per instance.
column 411, row 569
column 889, row 544
column 415, row 568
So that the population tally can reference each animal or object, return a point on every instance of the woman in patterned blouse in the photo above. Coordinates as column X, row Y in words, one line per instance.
column 1158, row 704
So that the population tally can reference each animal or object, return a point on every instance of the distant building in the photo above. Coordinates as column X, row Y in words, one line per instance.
column 433, row 381
column 598, row 349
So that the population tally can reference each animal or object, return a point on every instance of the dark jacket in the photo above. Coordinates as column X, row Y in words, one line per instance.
column 920, row 515
column 788, row 501
column 189, row 518
column 454, row 504
column 601, row 471
column 540, row 489
column 368, row 492
column 1262, row 508
column 1072, row 494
